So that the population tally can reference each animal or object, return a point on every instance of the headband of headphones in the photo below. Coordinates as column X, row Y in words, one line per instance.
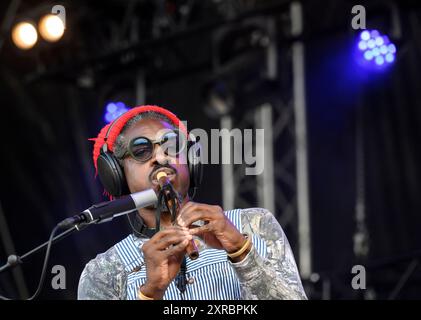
column 108, row 134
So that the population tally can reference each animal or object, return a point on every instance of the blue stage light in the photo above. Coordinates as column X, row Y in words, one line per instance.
column 374, row 34
column 113, row 110
column 371, row 43
column 375, row 49
column 390, row 57
column 391, row 47
column 379, row 60
column 111, row 107
column 365, row 35
column 362, row 45
column 383, row 49
column 379, row 41
column 368, row 55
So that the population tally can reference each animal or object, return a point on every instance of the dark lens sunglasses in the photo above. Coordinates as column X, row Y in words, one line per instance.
column 142, row 148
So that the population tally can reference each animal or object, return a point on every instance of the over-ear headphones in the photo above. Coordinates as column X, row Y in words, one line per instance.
column 111, row 173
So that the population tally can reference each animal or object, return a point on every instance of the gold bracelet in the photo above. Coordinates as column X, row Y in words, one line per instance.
column 245, row 246
column 141, row 296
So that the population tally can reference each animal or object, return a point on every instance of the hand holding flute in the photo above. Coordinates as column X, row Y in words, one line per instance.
column 192, row 250
column 165, row 251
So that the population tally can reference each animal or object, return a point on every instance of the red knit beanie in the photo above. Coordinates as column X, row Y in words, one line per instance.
column 118, row 125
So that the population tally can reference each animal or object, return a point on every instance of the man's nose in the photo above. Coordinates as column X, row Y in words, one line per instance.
column 159, row 156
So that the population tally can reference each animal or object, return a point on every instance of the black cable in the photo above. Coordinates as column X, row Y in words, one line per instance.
column 44, row 267
column 158, row 212
column 181, row 278
column 167, row 194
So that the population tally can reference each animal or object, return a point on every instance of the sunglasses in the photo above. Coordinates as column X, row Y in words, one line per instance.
column 142, row 148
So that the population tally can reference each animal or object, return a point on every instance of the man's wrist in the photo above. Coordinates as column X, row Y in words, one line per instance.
column 238, row 243
column 149, row 291
column 242, row 250
column 242, row 256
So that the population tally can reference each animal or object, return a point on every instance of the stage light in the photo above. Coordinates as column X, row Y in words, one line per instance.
column 51, row 27
column 379, row 60
column 379, row 41
column 375, row 49
column 113, row 110
column 365, row 35
column 390, row 57
column 24, row 35
column 391, row 47
column 362, row 45
column 383, row 49
column 368, row 55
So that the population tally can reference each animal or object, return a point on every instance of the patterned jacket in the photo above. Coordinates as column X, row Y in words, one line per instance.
column 268, row 271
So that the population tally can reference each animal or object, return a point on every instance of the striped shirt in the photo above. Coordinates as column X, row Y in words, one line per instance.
column 267, row 272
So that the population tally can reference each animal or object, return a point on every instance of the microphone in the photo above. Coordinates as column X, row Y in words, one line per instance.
column 108, row 210
column 164, row 183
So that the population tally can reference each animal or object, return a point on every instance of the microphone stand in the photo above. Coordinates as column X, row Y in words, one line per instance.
column 98, row 213
column 14, row 260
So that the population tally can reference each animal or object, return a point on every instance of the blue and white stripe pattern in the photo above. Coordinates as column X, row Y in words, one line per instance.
column 211, row 275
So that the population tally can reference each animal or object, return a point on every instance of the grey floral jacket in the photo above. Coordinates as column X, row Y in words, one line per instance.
column 272, row 276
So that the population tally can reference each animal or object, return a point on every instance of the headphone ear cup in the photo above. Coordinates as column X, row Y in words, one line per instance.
column 195, row 166
column 111, row 174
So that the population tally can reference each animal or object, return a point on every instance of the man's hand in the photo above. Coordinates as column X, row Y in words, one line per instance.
column 164, row 253
column 218, row 232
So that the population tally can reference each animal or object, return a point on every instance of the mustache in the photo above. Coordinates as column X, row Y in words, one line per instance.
column 160, row 166
column 162, row 205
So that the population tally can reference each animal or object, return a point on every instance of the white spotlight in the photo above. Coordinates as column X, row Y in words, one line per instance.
column 51, row 27
column 24, row 35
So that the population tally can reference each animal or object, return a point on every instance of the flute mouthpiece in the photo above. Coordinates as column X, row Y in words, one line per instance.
column 160, row 175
